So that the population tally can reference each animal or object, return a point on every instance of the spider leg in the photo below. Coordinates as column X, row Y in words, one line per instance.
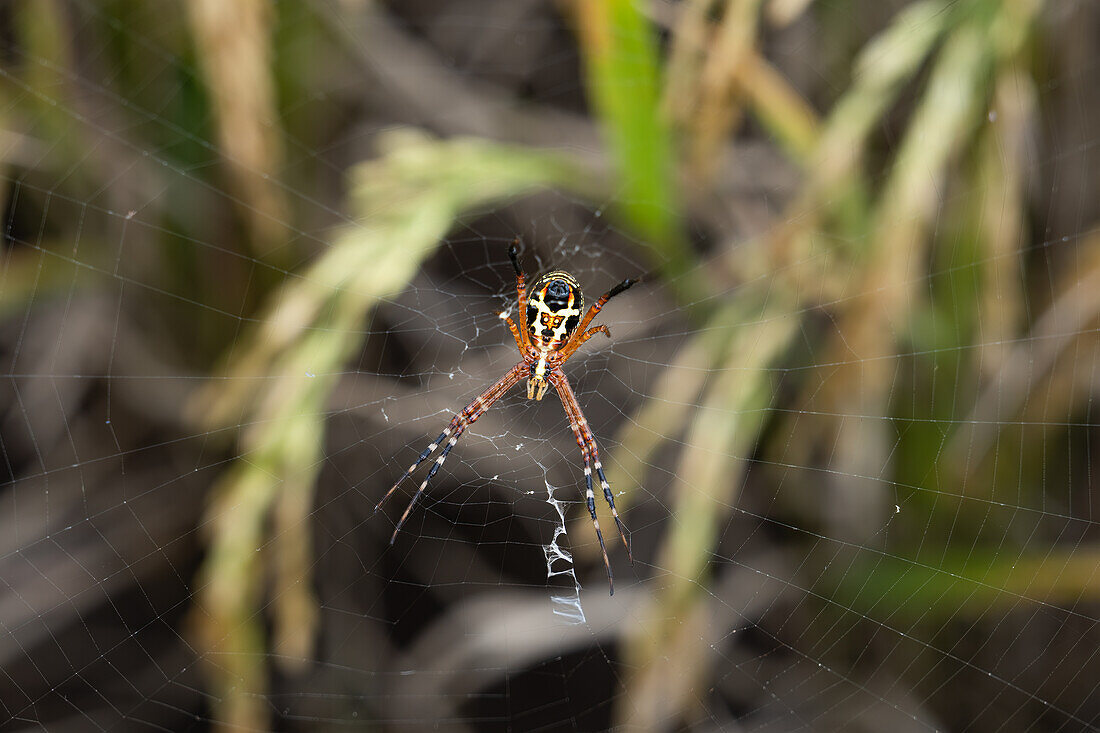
column 610, row 499
column 591, row 456
column 423, row 457
column 593, row 451
column 470, row 413
column 590, row 500
column 513, row 255
column 515, row 331
column 521, row 298
column 602, row 302
column 580, row 335
column 438, row 464
column 589, row 334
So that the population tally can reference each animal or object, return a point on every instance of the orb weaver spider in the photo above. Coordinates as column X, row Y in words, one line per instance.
column 550, row 330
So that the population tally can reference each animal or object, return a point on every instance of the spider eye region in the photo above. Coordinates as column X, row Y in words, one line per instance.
column 554, row 309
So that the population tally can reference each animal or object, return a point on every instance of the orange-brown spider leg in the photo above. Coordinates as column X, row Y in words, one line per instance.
column 590, row 454
column 515, row 332
column 579, row 341
column 580, row 335
column 454, row 431
column 590, row 439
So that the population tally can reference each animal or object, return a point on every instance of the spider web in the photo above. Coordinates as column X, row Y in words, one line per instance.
column 951, row 585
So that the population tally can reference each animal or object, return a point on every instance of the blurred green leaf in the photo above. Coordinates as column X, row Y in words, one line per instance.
column 966, row 582
column 620, row 51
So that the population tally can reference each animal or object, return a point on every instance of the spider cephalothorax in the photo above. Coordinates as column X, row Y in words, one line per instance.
column 550, row 330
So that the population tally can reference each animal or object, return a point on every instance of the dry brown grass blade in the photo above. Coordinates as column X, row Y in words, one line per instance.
column 703, row 92
column 884, row 65
column 782, row 13
column 861, row 355
column 675, row 397
column 861, row 358
column 1003, row 169
column 882, row 68
column 801, row 254
column 1003, row 163
column 685, row 59
column 713, row 72
column 1029, row 361
column 781, row 109
column 720, row 98
column 233, row 48
column 709, row 474
column 42, row 28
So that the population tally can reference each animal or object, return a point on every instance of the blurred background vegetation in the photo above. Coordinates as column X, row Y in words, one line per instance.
column 253, row 252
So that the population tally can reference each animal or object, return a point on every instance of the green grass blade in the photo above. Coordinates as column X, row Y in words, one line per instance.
column 620, row 52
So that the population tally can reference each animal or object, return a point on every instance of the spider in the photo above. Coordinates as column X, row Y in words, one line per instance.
column 550, row 330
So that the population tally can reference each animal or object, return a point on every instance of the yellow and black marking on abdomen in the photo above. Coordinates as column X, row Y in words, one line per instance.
column 554, row 309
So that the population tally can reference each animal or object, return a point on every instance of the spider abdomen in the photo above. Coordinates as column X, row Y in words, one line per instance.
column 553, row 310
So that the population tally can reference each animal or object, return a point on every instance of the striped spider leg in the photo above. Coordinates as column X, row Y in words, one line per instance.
column 591, row 455
column 549, row 332
column 470, row 413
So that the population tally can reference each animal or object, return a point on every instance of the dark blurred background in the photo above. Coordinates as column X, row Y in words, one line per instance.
column 253, row 255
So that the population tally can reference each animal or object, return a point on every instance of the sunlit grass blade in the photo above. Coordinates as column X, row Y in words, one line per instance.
column 672, row 403
column 1030, row 361
column 783, row 112
column 832, row 209
column 720, row 97
column 713, row 70
column 236, row 66
column 709, row 474
column 784, row 12
column 881, row 69
column 1003, row 160
column 885, row 293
